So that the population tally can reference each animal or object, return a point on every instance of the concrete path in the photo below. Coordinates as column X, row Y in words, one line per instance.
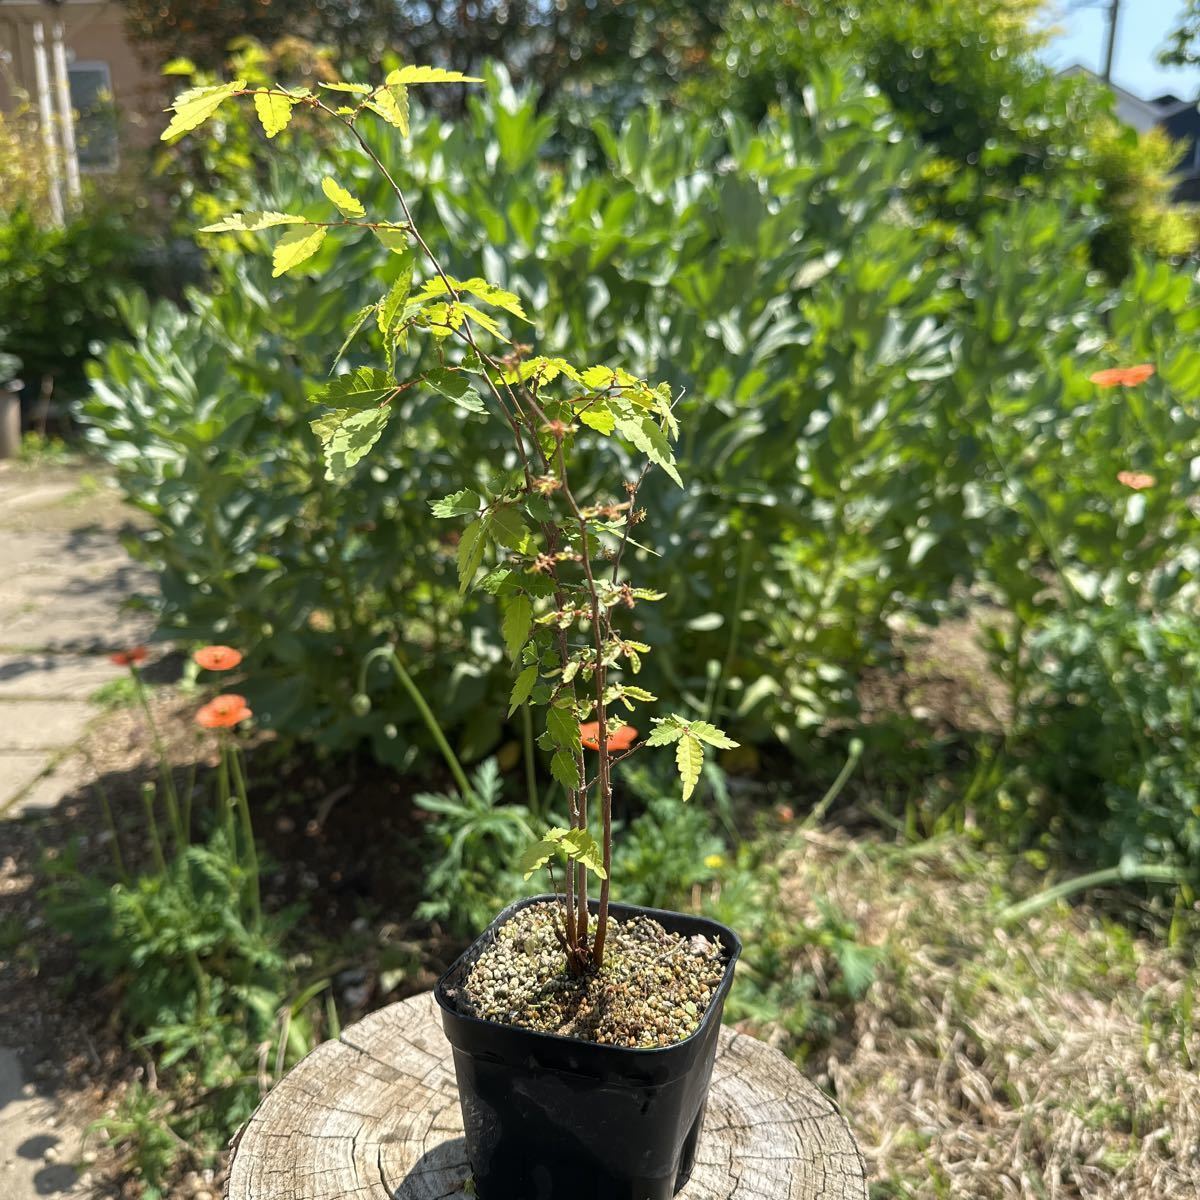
column 64, row 577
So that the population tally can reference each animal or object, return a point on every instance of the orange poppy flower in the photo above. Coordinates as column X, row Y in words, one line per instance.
column 223, row 712
column 1122, row 376
column 129, row 658
column 218, row 658
column 1138, row 480
column 619, row 738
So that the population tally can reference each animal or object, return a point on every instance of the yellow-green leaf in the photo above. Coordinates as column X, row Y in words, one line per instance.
column 429, row 75
column 392, row 306
column 341, row 199
column 346, row 436
column 193, row 107
column 358, row 89
column 391, row 104
column 251, row 222
column 689, row 758
column 274, row 111
column 296, row 246
column 599, row 417
column 394, row 237
column 498, row 298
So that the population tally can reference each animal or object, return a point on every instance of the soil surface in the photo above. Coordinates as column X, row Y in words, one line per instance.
column 653, row 989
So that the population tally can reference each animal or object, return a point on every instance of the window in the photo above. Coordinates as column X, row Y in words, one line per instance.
column 96, row 123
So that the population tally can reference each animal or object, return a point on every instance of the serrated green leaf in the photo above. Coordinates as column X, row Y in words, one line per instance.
column 536, row 856
column 274, row 111
column 195, row 106
column 482, row 319
column 562, row 727
column 252, row 222
column 518, row 621
column 598, row 417
column 564, row 766
column 398, row 108
column 471, row 546
column 346, row 203
column 509, row 529
column 455, row 386
column 522, row 688
column 712, row 735
column 391, row 103
column 637, row 693
column 358, row 388
column 394, row 238
column 296, row 246
column 689, row 758
column 357, row 89
column 457, row 504
column 360, row 319
column 666, row 730
column 392, row 307
column 428, row 75
column 582, row 847
column 645, row 434
column 489, row 293
column 346, row 436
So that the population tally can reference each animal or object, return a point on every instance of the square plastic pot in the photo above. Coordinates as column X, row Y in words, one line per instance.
column 555, row 1118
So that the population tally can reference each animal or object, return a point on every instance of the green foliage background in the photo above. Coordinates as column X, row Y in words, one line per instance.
column 880, row 416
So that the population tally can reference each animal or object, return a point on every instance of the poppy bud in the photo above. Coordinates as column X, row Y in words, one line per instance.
column 360, row 704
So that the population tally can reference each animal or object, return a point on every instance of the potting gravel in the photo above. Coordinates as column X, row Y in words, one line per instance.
column 653, row 989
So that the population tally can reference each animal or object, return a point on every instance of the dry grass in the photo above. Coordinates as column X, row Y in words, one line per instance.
column 1054, row 1060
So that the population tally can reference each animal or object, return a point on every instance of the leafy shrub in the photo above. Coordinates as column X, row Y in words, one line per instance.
column 878, row 417
column 967, row 79
column 55, row 297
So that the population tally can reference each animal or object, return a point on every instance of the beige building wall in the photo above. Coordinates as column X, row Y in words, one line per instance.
column 99, row 58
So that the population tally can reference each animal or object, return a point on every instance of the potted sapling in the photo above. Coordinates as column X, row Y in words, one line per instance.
column 584, row 1030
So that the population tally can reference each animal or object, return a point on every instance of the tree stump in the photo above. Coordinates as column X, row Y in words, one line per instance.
column 375, row 1115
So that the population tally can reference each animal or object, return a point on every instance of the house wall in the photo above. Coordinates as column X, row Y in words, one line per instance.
column 93, row 32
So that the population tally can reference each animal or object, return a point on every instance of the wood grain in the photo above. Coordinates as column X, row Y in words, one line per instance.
column 375, row 1115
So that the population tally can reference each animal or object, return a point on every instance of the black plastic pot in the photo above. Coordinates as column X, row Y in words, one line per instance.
column 555, row 1118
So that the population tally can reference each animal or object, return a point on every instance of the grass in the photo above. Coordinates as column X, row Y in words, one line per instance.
column 1051, row 1059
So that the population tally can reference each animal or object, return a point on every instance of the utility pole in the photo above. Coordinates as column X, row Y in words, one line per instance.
column 1110, row 45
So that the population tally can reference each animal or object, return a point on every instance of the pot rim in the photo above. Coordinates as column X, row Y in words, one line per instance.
column 730, row 942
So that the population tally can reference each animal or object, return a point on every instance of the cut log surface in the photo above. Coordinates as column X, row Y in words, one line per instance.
column 375, row 1115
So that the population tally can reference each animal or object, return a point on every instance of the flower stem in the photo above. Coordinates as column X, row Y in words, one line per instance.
column 243, row 804
column 431, row 722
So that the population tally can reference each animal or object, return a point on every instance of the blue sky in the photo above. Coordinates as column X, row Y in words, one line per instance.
column 1140, row 35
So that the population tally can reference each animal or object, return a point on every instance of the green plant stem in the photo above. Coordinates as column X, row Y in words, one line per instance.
column 835, row 789
column 152, row 825
column 106, row 809
column 431, row 722
column 243, row 803
column 224, row 800
column 160, row 750
column 1150, row 873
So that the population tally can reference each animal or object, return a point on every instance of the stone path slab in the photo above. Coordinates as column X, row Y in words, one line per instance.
column 39, row 675
column 36, row 1154
column 64, row 581
column 42, row 724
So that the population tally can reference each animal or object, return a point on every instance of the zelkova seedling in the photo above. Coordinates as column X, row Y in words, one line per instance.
column 549, row 549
